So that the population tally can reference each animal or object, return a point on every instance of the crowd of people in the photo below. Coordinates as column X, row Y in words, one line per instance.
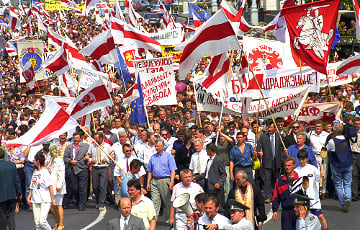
column 143, row 168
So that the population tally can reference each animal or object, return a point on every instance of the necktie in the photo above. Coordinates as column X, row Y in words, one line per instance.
column 98, row 154
column 125, row 224
column 75, row 152
column 272, row 139
column 198, row 164
column 127, row 165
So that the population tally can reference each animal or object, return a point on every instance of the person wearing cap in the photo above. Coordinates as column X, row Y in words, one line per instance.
column 238, row 218
column 312, row 174
column 305, row 220
column 243, row 192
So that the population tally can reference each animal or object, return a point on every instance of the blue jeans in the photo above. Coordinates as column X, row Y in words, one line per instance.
column 28, row 171
column 342, row 183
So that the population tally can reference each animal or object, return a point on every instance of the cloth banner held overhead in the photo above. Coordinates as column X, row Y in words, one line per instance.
column 278, row 82
column 33, row 51
column 310, row 113
column 89, row 76
column 334, row 79
column 157, row 80
column 168, row 37
column 279, row 106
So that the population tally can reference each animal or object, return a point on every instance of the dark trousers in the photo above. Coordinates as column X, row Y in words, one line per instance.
column 355, row 183
column 270, row 176
column 68, row 195
column 79, row 186
column 99, row 183
column 7, row 214
column 248, row 170
column 288, row 219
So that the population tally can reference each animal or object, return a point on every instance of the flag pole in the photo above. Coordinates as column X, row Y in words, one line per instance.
column 223, row 102
column 267, row 106
column 110, row 157
column 78, row 86
column 329, row 88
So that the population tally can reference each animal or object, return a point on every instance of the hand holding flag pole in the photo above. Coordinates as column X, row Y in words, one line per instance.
column 267, row 106
column 222, row 106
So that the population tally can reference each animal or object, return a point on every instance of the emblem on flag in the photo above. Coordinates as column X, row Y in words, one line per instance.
column 33, row 55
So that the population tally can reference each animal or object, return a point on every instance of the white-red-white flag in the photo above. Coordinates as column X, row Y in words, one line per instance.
column 131, row 94
column 349, row 66
column 54, row 121
column 74, row 56
column 133, row 16
column 69, row 4
column 133, row 35
column 246, row 101
column 102, row 48
column 57, row 63
column 216, row 74
column 89, row 4
column 117, row 30
column 118, row 12
column 64, row 102
column 29, row 74
column 68, row 85
column 14, row 21
column 93, row 98
column 55, row 39
column 214, row 37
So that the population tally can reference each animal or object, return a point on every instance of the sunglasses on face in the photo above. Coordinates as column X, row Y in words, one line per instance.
column 296, row 127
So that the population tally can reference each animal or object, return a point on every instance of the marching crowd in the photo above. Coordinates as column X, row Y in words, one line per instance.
column 229, row 167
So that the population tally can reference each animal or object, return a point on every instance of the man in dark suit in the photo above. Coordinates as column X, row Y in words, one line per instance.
column 75, row 158
column 126, row 221
column 269, row 148
column 9, row 190
column 215, row 175
column 291, row 138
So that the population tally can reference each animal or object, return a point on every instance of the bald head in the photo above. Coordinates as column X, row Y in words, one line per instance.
column 125, row 206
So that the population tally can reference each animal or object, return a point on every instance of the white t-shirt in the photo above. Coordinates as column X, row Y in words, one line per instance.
column 40, row 182
column 193, row 189
column 314, row 179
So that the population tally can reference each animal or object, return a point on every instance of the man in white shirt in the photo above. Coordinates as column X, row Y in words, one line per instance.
column 185, row 186
column 169, row 140
column 211, row 217
column 317, row 139
column 198, row 160
column 312, row 174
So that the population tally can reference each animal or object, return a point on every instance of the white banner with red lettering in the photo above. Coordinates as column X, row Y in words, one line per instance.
column 157, row 80
column 280, row 106
column 335, row 80
column 310, row 113
column 89, row 76
column 279, row 82
column 268, row 54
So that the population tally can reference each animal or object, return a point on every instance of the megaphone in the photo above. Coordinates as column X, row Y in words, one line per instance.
column 182, row 202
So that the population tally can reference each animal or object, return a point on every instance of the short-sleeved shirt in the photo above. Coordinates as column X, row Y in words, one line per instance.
column 161, row 165
column 144, row 209
column 239, row 158
column 40, row 182
column 193, row 189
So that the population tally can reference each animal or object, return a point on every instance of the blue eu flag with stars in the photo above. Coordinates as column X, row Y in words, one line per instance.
column 137, row 106
column 199, row 12
column 124, row 73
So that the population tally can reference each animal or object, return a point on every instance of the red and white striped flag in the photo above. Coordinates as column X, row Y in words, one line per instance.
column 29, row 74
column 96, row 65
column 133, row 16
column 102, row 48
column 89, row 4
column 117, row 30
column 54, row 121
column 55, row 39
column 245, row 101
column 216, row 73
column 69, row 4
column 57, row 63
column 131, row 35
column 166, row 18
column 75, row 57
column 93, row 98
column 118, row 12
column 68, row 85
column 214, row 37
column 349, row 66
column 14, row 21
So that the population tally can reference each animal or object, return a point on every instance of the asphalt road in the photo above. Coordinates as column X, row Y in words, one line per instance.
column 75, row 220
